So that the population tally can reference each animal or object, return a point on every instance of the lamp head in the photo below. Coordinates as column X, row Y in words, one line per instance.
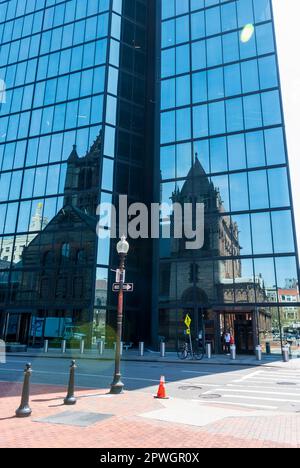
column 123, row 246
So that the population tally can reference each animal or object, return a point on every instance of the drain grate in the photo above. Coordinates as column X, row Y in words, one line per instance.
column 211, row 396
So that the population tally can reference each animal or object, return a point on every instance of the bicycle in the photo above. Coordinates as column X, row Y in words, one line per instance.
column 184, row 351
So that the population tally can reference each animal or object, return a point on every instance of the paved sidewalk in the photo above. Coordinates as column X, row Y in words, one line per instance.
column 135, row 420
column 171, row 357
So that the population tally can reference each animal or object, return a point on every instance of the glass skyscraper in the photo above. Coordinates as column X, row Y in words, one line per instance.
column 157, row 100
column 73, row 135
column 222, row 143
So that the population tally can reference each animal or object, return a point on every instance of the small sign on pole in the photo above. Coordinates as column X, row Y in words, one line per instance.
column 188, row 321
column 127, row 287
column 120, row 276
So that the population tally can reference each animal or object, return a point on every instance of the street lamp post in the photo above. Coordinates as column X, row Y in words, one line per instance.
column 117, row 385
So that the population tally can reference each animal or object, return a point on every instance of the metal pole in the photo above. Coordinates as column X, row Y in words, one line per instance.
column 70, row 398
column 281, row 334
column 141, row 348
column 117, row 385
column 191, row 344
column 24, row 409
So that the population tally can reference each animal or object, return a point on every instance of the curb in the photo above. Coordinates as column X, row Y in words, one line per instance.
column 150, row 360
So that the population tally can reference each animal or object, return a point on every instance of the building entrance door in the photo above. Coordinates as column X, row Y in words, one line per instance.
column 244, row 337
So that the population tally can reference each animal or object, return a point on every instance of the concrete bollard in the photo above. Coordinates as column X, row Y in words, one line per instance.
column 141, row 349
column 162, row 349
column 121, row 347
column 24, row 409
column 101, row 347
column 46, row 346
column 208, row 351
column 63, row 346
column 82, row 344
column 70, row 398
column 258, row 352
column 233, row 352
column 286, row 354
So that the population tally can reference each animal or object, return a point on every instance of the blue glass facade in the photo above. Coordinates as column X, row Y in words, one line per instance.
column 71, row 124
column 222, row 143
column 158, row 100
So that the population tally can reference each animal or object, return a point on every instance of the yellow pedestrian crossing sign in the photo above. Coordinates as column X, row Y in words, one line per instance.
column 188, row 321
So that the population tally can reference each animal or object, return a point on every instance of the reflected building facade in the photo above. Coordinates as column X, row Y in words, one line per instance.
column 159, row 100
column 222, row 142
column 75, row 75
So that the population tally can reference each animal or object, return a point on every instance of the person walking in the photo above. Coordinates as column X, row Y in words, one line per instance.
column 227, row 342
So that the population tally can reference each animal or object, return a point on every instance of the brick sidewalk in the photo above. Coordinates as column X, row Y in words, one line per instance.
column 126, row 428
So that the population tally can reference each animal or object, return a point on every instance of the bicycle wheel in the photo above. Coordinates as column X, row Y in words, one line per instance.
column 182, row 351
column 199, row 354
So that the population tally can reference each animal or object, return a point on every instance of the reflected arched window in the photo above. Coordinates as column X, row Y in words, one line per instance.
column 48, row 258
column 80, row 257
column 65, row 252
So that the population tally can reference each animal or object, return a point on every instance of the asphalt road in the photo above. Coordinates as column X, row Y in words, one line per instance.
column 264, row 388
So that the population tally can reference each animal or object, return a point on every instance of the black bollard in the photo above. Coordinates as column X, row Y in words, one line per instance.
column 24, row 410
column 70, row 398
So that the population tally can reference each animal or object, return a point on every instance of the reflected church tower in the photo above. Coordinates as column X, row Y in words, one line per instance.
column 58, row 264
column 82, row 179
column 197, row 281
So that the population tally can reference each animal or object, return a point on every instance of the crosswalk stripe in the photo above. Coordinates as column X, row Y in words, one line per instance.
column 273, row 379
column 247, row 405
column 258, row 392
column 261, row 398
column 250, row 385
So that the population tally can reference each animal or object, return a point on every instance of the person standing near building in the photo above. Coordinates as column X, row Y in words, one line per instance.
column 227, row 342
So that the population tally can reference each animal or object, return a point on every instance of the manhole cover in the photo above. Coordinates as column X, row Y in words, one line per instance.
column 189, row 387
column 211, row 396
column 287, row 383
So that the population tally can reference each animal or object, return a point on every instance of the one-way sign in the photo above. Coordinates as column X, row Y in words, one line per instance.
column 127, row 287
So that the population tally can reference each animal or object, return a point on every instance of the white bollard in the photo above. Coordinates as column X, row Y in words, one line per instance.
column 208, row 351
column 101, row 347
column 2, row 352
column 141, row 349
column 233, row 352
column 82, row 344
column 286, row 354
column 63, row 346
column 258, row 353
column 46, row 346
column 162, row 349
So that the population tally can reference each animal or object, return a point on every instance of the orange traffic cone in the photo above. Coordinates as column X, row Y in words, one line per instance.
column 161, row 394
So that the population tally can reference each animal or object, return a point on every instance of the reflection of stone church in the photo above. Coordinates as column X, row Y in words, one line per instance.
column 213, row 274
column 221, row 239
column 58, row 264
column 221, row 281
